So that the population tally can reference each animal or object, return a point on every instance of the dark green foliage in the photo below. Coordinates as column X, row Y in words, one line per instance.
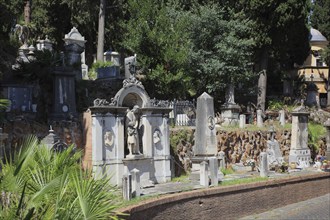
column 157, row 33
column 320, row 18
column 10, row 13
column 222, row 50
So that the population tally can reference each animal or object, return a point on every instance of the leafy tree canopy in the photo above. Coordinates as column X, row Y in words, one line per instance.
column 320, row 20
column 222, row 47
column 157, row 33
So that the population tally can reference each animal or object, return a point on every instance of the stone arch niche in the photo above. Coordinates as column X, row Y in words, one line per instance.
column 132, row 94
column 109, row 136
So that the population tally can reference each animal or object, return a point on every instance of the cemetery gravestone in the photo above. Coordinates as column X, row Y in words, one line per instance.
column 273, row 150
column 282, row 117
column 230, row 110
column 120, row 143
column 242, row 120
column 205, row 139
column 299, row 151
column 263, row 164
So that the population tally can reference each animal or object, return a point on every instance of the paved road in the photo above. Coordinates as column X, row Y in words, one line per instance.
column 317, row 208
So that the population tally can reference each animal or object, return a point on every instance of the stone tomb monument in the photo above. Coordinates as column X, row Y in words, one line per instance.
column 230, row 110
column 299, row 152
column 131, row 133
column 273, row 151
column 205, row 147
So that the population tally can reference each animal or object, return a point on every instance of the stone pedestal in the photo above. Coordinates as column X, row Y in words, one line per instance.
column 64, row 101
column 214, row 170
column 327, row 126
column 260, row 122
column 204, row 178
column 299, row 151
column 230, row 114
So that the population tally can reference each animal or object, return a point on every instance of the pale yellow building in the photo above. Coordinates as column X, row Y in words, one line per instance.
column 313, row 68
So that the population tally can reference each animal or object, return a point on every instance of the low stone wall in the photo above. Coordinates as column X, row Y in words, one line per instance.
column 233, row 201
column 239, row 145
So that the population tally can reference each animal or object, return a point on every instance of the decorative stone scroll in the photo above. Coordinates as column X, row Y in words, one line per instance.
column 132, row 81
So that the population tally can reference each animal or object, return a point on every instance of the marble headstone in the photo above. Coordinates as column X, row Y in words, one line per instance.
column 205, row 138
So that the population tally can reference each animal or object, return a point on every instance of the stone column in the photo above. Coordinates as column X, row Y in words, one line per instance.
column 147, row 138
column 282, row 117
column 299, row 152
column 214, row 168
column 263, row 164
column 97, row 145
column 260, row 122
column 127, row 187
column 166, row 135
column 135, row 182
column 120, row 140
column 327, row 126
column 204, row 177
column 242, row 120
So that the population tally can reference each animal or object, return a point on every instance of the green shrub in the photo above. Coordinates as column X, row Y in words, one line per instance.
column 315, row 133
column 39, row 183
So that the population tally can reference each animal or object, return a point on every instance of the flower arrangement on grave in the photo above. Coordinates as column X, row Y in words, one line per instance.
column 251, row 163
column 325, row 165
column 284, row 167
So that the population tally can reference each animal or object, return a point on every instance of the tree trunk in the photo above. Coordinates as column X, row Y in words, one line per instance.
column 100, row 39
column 262, row 82
column 27, row 11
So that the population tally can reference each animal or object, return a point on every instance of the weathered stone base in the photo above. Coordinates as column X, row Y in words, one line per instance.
column 230, row 114
column 301, row 157
column 152, row 170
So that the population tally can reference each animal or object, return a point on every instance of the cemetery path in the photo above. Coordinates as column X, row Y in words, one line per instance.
column 317, row 208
